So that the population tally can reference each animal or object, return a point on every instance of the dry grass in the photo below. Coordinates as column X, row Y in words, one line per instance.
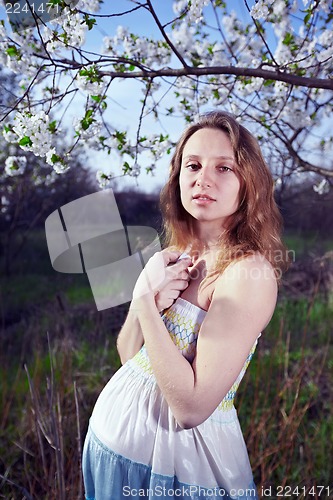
column 48, row 389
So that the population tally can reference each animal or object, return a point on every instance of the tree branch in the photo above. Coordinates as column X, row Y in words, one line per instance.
column 165, row 36
column 300, row 81
column 306, row 166
column 258, row 28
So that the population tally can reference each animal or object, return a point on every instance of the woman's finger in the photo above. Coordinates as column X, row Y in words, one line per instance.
column 170, row 256
column 178, row 285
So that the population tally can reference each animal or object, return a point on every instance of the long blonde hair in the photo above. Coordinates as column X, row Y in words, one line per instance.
column 256, row 225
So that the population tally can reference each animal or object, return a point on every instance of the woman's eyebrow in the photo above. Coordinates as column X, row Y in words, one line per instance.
column 197, row 157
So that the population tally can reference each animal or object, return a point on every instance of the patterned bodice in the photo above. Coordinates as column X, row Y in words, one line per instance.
column 183, row 321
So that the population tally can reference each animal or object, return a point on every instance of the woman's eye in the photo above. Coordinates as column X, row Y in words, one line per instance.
column 224, row 168
column 192, row 166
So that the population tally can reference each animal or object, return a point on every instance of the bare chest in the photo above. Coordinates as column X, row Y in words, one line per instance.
column 192, row 293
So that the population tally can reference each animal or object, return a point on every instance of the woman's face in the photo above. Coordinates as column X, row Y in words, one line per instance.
column 209, row 183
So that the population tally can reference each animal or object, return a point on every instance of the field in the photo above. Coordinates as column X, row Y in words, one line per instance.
column 57, row 352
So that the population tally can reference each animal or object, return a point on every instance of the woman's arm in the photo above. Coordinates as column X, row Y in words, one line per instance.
column 243, row 303
column 130, row 338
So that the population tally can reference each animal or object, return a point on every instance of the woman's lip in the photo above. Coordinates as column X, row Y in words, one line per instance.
column 203, row 201
column 203, row 195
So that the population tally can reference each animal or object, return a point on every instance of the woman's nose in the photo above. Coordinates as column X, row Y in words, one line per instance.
column 204, row 178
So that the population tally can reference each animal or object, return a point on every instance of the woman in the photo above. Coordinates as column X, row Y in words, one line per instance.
column 165, row 425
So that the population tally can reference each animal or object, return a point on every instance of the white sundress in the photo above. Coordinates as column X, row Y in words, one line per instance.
column 134, row 447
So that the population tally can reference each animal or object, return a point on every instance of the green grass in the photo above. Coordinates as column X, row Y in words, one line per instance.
column 289, row 435
column 52, row 331
column 305, row 243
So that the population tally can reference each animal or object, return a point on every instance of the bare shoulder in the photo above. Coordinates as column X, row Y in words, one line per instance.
column 251, row 283
column 253, row 267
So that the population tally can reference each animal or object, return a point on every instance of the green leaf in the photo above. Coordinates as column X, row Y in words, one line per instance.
column 247, row 81
column 220, row 3
column 268, row 82
column 55, row 2
column 25, row 141
column 87, row 120
column 89, row 113
column 307, row 18
column 90, row 21
column 53, row 126
column 126, row 167
column 55, row 158
column 12, row 51
column 288, row 39
column 86, row 124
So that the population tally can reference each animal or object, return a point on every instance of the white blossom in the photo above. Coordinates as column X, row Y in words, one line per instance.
column 88, row 5
column 247, row 89
column 52, row 40
column 111, row 142
column 259, row 10
column 280, row 8
column 103, row 179
column 135, row 170
column 282, row 54
column 194, row 9
column 33, row 134
column 182, row 36
column 295, row 117
column 10, row 136
column 49, row 155
column 36, row 128
column 90, row 135
column 325, row 5
column 19, row 52
column 326, row 40
column 322, row 187
column 59, row 167
column 142, row 49
column 50, row 178
column 4, row 204
column 230, row 21
column 280, row 88
column 94, row 128
column 86, row 84
column 15, row 165
column 73, row 28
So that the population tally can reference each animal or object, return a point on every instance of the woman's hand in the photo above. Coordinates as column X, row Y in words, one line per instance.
column 163, row 278
column 177, row 280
